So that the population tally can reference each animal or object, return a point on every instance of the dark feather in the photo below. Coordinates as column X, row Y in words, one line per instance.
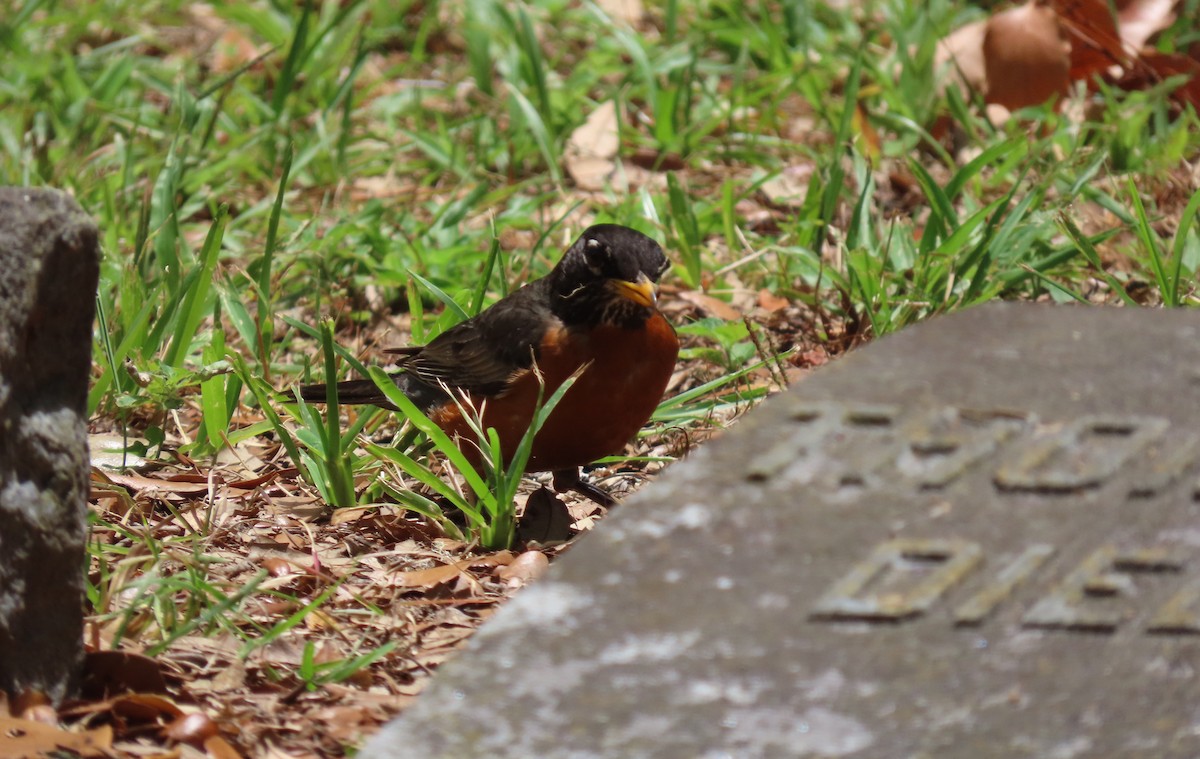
column 482, row 355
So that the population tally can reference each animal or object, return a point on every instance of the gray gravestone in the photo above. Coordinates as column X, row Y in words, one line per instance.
column 49, row 265
column 977, row 538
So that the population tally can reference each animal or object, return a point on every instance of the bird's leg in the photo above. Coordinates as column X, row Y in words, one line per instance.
column 569, row 480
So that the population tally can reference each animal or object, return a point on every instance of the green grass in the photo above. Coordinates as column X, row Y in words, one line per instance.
column 387, row 169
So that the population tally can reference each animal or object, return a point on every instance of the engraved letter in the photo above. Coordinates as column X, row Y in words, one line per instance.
column 908, row 577
column 944, row 444
column 1095, row 596
column 1084, row 454
column 1180, row 614
column 975, row 609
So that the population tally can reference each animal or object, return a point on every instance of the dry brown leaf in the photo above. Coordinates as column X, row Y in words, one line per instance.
column 302, row 507
column 278, row 567
column 434, row 576
column 386, row 186
column 1153, row 67
column 257, row 482
column 592, row 147
column 219, row 748
column 545, row 519
column 145, row 707
column 769, row 301
column 1026, row 57
column 117, row 671
column 194, row 729
column 958, row 59
column 630, row 11
column 868, row 142
column 1091, row 31
column 20, row 738
column 179, row 485
column 810, row 359
column 528, row 566
column 231, row 51
column 710, row 305
column 1139, row 20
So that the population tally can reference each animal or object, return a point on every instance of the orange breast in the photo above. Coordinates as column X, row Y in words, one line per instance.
column 601, row 412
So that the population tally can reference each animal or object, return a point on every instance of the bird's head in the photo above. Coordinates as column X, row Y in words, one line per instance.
column 609, row 275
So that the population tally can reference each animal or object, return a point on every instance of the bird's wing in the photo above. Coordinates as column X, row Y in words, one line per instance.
column 485, row 353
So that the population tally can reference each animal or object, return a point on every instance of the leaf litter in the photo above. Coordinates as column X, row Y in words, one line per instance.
column 297, row 630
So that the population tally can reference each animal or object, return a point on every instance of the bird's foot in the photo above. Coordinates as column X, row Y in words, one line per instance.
column 570, row 480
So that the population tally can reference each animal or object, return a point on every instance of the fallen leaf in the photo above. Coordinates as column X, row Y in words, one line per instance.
column 144, row 707
column 1026, row 57
column 869, row 142
column 958, row 59
column 809, row 359
column 592, row 147
column 1091, row 32
column 219, row 748
column 26, row 738
column 180, row 485
column 769, row 301
column 1139, row 20
column 110, row 672
column 194, row 729
column 434, row 576
column 231, row 51
column 278, row 567
column 630, row 11
column 1154, row 67
column 528, row 566
column 710, row 305
column 545, row 519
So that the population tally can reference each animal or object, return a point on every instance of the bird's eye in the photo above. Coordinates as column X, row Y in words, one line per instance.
column 596, row 255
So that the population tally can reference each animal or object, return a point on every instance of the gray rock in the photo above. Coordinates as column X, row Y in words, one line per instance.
column 49, row 266
column 976, row 538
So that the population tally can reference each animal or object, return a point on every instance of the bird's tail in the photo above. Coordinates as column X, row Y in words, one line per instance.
column 358, row 391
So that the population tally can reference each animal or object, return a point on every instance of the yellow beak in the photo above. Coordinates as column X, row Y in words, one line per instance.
column 642, row 292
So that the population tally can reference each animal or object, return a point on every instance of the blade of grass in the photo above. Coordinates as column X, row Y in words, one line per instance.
column 198, row 286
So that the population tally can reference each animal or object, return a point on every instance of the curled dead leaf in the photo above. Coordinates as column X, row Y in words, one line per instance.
column 958, row 59
column 710, row 305
column 528, row 566
column 277, row 567
column 434, row 576
column 179, row 485
column 592, row 147
column 1139, row 20
column 1091, row 31
column 193, row 729
column 27, row 738
column 1026, row 57
column 769, row 301
column 219, row 748
column 144, row 707
column 106, row 672
column 1152, row 68
column 629, row 11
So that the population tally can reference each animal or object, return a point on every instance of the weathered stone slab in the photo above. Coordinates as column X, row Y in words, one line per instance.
column 977, row 538
column 49, row 265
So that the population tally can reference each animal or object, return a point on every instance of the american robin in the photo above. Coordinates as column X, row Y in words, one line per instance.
column 597, row 309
